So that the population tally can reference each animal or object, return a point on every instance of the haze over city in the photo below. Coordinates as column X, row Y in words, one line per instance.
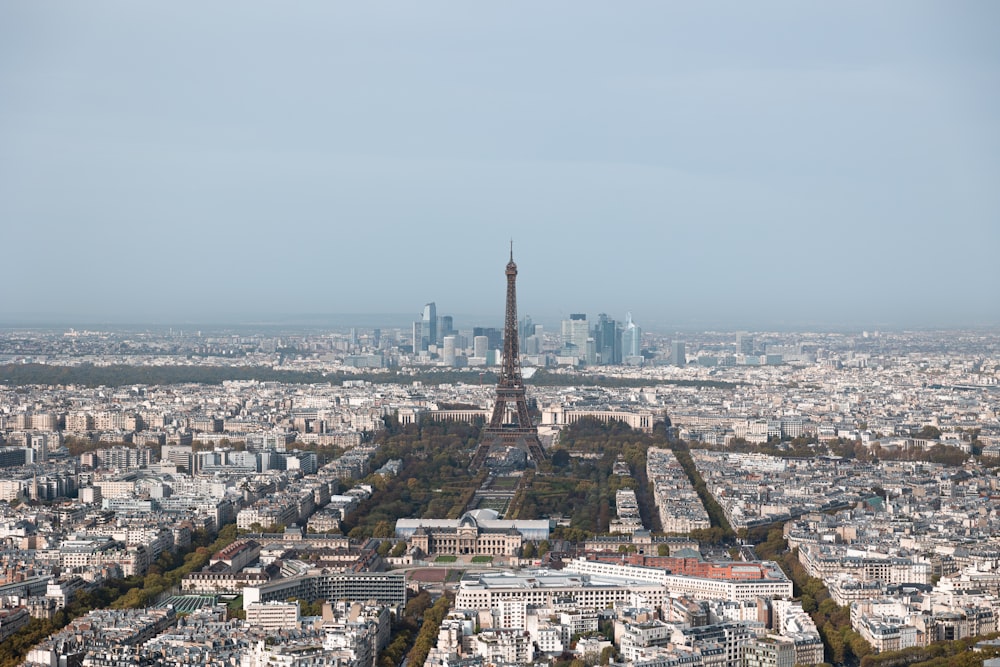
column 764, row 165
column 448, row 334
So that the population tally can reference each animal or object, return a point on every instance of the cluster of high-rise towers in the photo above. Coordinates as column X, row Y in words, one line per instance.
column 607, row 342
column 430, row 329
column 434, row 333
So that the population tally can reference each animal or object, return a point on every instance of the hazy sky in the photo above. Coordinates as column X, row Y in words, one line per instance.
column 745, row 164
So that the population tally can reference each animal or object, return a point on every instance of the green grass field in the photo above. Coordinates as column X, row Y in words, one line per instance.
column 508, row 483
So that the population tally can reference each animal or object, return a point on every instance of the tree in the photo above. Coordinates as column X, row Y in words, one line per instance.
column 835, row 641
column 383, row 529
column 417, row 605
column 603, row 516
column 560, row 458
column 429, row 630
column 929, row 433
column 859, row 646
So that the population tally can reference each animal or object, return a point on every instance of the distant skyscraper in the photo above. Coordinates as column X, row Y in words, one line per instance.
column 446, row 327
column 537, row 339
column 495, row 336
column 575, row 334
column 744, row 344
column 677, row 355
column 533, row 344
column 376, row 338
column 479, row 346
column 527, row 329
column 631, row 338
column 607, row 341
column 430, row 321
column 418, row 337
column 449, row 350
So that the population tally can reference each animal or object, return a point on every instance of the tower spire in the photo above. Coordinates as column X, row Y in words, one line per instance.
column 510, row 398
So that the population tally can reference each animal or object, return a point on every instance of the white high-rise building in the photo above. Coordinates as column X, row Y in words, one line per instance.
column 480, row 344
column 575, row 333
column 677, row 354
column 449, row 350
column 631, row 338
column 418, row 334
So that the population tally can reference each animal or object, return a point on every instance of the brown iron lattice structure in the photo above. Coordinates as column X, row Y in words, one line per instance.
column 520, row 433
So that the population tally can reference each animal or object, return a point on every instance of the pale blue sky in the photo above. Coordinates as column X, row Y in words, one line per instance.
column 725, row 164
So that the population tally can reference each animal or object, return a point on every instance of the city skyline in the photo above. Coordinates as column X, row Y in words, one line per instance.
column 403, row 322
column 692, row 499
column 755, row 168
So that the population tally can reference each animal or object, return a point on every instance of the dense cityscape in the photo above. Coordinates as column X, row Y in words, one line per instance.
column 265, row 402
column 761, row 498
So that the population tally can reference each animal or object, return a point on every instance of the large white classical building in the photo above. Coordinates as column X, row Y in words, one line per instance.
column 479, row 532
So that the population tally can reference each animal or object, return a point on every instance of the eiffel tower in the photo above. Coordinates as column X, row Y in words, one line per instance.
column 520, row 433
